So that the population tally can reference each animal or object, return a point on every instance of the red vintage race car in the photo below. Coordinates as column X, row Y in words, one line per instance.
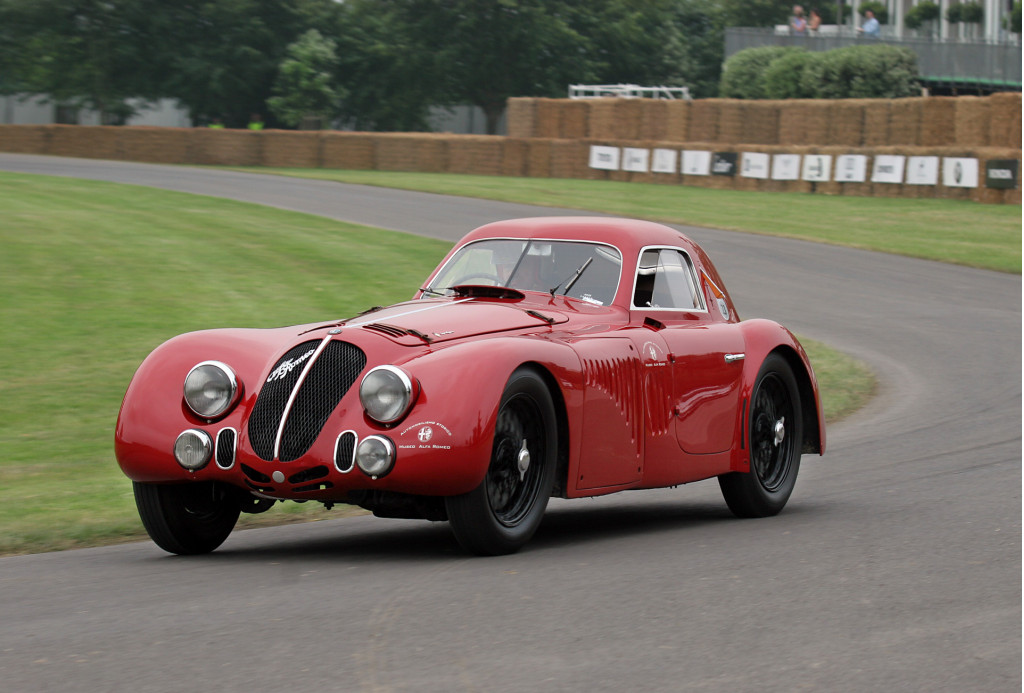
column 550, row 356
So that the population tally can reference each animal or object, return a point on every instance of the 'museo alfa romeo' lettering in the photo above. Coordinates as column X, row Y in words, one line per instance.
column 288, row 366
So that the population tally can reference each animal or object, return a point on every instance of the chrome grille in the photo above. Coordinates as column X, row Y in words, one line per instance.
column 329, row 378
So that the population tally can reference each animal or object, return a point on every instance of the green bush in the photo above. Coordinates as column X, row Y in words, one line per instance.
column 1012, row 22
column 785, row 77
column 854, row 72
column 919, row 14
column 743, row 73
column 972, row 13
column 953, row 13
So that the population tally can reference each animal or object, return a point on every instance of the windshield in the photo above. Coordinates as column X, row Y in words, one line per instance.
column 587, row 271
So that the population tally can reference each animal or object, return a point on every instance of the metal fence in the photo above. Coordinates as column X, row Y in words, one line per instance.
column 942, row 62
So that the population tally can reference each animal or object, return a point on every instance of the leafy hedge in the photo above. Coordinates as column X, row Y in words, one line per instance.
column 773, row 72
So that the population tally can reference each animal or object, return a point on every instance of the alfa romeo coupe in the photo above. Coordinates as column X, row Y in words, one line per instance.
column 565, row 357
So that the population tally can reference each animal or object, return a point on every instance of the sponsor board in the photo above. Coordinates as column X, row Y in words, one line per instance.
column 755, row 165
column 888, row 168
column 817, row 168
column 923, row 170
column 606, row 158
column 696, row 163
column 664, row 161
column 635, row 159
column 1002, row 173
column 851, row 168
column 786, row 167
column 723, row 164
column 959, row 172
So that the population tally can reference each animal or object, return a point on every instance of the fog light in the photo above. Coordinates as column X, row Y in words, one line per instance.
column 375, row 455
column 193, row 449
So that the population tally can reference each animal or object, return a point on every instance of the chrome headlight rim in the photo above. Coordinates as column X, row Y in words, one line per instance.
column 388, row 414
column 188, row 458
column 227, row 403
column 361, row 453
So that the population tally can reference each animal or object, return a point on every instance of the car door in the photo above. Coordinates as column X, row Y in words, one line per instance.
column 706, row 354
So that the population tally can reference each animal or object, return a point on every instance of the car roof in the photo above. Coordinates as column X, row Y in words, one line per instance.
column 629, row 235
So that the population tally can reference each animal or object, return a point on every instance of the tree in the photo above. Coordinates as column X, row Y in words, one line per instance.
column 304, row 89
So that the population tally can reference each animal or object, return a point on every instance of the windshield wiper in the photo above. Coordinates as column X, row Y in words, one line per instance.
column 574, row 278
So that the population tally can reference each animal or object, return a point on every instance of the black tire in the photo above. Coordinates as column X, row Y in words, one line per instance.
column 775, row 441
column 502, row 513
column 186, row 519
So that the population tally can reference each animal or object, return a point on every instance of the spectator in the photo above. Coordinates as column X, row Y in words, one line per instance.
column 814, row 23
column 870, row 28
column 797, row 23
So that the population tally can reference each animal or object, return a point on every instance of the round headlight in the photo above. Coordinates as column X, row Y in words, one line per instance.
column 387, row 393
column 193, row 449
column 375, row 455
column 210, row 389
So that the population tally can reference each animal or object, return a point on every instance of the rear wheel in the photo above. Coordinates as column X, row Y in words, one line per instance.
column 503, row 512
column 186, row 518
column 775, row 441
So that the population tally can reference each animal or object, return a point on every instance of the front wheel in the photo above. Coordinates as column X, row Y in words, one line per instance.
column 186, row 518
column 775, row 442
column 502, row 513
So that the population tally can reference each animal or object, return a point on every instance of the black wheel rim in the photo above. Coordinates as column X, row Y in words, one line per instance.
column 511, row 488
column 771, row 446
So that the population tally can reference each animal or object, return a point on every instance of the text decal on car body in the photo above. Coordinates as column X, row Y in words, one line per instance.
column 288, row 366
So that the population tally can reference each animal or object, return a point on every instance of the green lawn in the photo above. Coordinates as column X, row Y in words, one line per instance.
column 965, row 233
column 95, row 275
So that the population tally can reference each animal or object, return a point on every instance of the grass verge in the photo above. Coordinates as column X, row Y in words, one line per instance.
column 955, row 231
column 95, row 275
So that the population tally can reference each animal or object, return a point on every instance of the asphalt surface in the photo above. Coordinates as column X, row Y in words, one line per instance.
column 896, row 565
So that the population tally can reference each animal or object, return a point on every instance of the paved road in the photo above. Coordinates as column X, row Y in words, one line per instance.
column 896, row 565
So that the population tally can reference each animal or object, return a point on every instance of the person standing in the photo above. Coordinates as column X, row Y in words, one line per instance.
column 870, row 28
column 797, row 23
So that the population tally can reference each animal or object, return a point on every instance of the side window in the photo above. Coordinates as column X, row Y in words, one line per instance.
column 665, row 281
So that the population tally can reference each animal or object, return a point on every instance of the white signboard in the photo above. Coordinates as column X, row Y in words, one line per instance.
column 888, row 168
column 665, row 161
column 606, row 158
column 786, row 167
column 852, row 168
column 636, row 160
column 696, row 163
column 959, row 173
column 818, row 168
column 755, row 165
column 923, row 170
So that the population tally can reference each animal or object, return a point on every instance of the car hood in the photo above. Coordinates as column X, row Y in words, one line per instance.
column 442, row 320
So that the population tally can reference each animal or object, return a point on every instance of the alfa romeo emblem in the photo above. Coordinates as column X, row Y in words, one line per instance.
column 425, row 434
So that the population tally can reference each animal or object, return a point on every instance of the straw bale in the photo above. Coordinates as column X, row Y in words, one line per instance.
column 601, row 117
column 731, row 121
column 548, row 118
column 513, row 157
column 703, row 121
column 155, row 144
column 761, row 120
column 877, row 116
column 569, row 158
column 1005, row 119
column 287, row 149
column 653, row 119
column 85, row 141
column 348, row 150
column 677, row 118
column 520, row 114
column 574, row 115
column 216, row 147
column 628, row 117
column 475, row 154
column 847, row 122
column 25, row 139
column 538, row 158
column 804, row 121
column 938, row 121
column 905, row 122
column 972, row 121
